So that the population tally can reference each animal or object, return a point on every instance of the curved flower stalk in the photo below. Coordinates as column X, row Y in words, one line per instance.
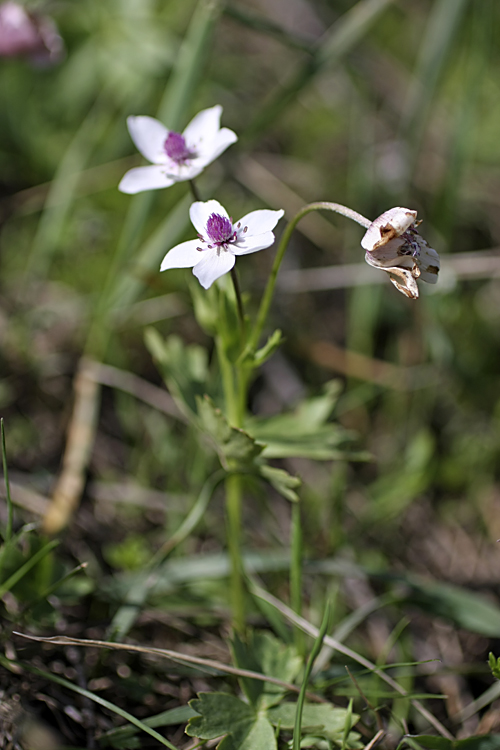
column 175, row 157
column 393, row 244
column 220, row 240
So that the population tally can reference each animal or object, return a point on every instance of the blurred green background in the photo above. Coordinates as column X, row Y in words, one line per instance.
column 372, row 104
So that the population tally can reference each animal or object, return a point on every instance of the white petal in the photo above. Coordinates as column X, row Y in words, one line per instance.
column 209, row 151
column 149, row 135
column 200, row 212
column 186, row 171
column 389, row 255
column 185, row 255
column 145, row 178
column 252, row 244
column 213, row 265
column 258, row 222
column 203, row 127
column 388, row 225
column 404, row 282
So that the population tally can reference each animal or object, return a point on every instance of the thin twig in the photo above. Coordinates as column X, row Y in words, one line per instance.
column 378, row 718
column 174, row 656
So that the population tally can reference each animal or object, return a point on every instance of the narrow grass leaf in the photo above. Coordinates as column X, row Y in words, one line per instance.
column 138, row 593
column 8, row 529
column 348, row 31
column 190, row 65
column 24, row 569
column 93, row 697
column 302, row 695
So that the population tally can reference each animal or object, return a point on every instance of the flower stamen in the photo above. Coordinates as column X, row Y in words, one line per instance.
column 176, row 148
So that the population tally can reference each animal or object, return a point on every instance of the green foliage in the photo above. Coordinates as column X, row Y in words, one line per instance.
column 305, row 432
column 494, row 665
column 464, row 608
column 184, row 368
column 246, row 726
column 234, row 446
column 262, row 652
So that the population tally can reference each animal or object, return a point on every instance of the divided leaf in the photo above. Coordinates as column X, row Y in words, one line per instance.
column 268, row 655
column 322, row 720
column 305, row 432
column 223, row 715
column 184, row 368
column 282, row 481
column 230, row 442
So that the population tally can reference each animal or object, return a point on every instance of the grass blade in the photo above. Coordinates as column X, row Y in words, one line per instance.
column 331, row 48
column 302, row 695
column 8, row 528
column 91, row 696
column 21, row 572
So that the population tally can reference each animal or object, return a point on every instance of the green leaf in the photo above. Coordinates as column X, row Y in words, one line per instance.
column 262, row 355
column 282, row 481
column 219, row 714
column 482, row 742
column 184, row 368
column 304, row 432
column 259, row 735
column 323, row 720
column 494, row 665
column 466, row 609
column 265, row 653
column 231, row 443
column 123, row 737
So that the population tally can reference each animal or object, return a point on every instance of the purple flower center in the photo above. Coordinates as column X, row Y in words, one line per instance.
column 220, row 230
column 176, row 149
column 412, row 245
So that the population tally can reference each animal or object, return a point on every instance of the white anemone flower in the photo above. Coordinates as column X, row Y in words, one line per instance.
column 393, row 244
column 175, row 156
column 220, row 240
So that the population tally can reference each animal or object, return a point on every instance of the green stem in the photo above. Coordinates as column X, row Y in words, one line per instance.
column 310, row 662
column 296, row 573
column 285, row 239
column 233, row 526
column 239, row 302
column 8, row 528
column 194, row 190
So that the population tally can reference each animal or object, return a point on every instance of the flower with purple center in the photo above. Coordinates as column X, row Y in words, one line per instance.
column 220, row 240
column 393, row 244
column 175, row 156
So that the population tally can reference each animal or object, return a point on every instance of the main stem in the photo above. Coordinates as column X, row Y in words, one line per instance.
column 239, row 300
column 235, row 414
column 285, row 239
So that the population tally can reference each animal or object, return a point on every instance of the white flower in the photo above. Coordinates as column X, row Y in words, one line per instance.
column 219, row 240
column 175, row 157
column 393, row 244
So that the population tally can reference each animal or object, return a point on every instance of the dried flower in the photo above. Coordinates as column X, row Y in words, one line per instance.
column 220, row 240
column 393, row 244
column 175, row 156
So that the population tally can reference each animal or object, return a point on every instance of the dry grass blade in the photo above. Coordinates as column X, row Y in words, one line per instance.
column 329, row 641
column 175, row 656
column 79, row 444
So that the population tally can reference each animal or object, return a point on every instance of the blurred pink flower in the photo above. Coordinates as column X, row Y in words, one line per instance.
column 393, row 244
column 24, row 34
